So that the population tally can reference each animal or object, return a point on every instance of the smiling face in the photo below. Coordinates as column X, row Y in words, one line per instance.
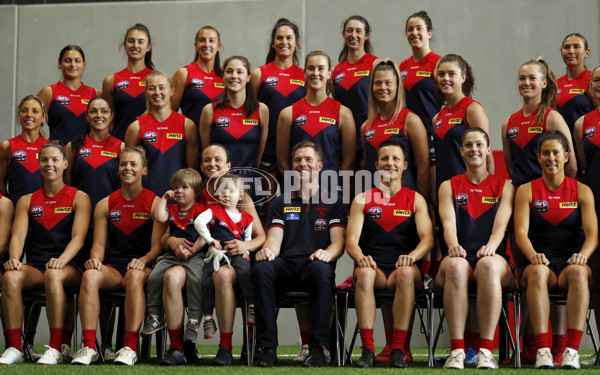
column 450, row 78
column 552, row 157
column 417, row 34
column 131, row 168
column 531, row 81
column 391, row 162
column 573, row 51
column 31, row 115
column 385, row 86
column 214, row 161
column 52, row 163
column 235, row 76
column 158, row 91
column 475, row 149
column 317, row 72
column 306, row 164
column 72, row 64
column 136, row 44
column 99, row 115
column 355, row 35
column 207, row 44
column 285, row 42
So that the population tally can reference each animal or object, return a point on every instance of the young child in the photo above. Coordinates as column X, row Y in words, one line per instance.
column 187, row 186
column 224, row 222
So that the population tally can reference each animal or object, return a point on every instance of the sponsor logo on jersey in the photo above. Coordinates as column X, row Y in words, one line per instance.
column 340, row 77
column 402, row 213
column 535, row 129
column 391, row 131
column 219, row 85
column 326, row 120
column 109, row 154
column 577, row 91
column 62, row 210
column 462, row 199
column 540, row 206
column 248, row 121
column 375, row 213
column 141, row 215
column 438, row 124
column 292, row 216
column 122, row 85
column 455, row 121
column 369, row 134
column 174, row 136
column 63, row 100
column 296, row 82
column 404, row 73
column 20, row 155
column 423, row 74
column 114, row 215
column 589, row 132
column 321, row 211
column 142, row 83
column 272, row 81
column 222, row 122
column 292, row 209
column 334, row 221
column 85, row 152
column 150, row 137
column 300, row 121
column 277, row 221
column 512, row 133
column 568, row 205
column 361, row 73
column 37, row 211
column 85, row 101
column 321, row 224
column 197, row 83
column 490, row 200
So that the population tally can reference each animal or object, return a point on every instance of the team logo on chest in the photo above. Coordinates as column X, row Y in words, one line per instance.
column 197, row 83
column 340, row 77
column 37, row 211
column 85, row 152
column 374, row 213
column 300, row 121
column 150, row 137
column 512, row 133
column 321, row 224
column 462, row 199
column 122, row 85
column 272, row 81
column 20, row 155
column 322, row 211
column 540, row 206
column 222, row 122
column 114, row 216
column 589, row 132
column 63, row 100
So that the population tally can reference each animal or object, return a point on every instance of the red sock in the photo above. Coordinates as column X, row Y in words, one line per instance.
column 573, row 338
column 14, row 338
column 433, row 268
column 475, row 340
column 389, row 336
column 55, row 338
column 457, row 344
column 226, row 340
column 366, row 336
column 559, row 344
column 176, row 337
column 304, row 337
column 89, row 338
column 399, row 339
column 486, row 344
column 543, row 340
column 529, row 342
column 131, row 340
column 425, row 266
column 67, row 336
column 406, row 348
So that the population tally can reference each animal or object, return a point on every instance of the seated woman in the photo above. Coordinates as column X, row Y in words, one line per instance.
column 555, row 207
column 474, row 208
column 396, row 233
column 57, row 217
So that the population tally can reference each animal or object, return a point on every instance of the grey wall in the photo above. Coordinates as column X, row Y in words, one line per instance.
column 494, row 36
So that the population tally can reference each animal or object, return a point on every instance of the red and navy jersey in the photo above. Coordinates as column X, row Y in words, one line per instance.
column 206, row 199
column 419, row 85
column 555, row 218
column 201, row 88
column 50, row 224
column 306, row 224
column 475, row 206
column 239, row 134
column 591, row 146
column 351, row 83
column 573, row 98
column 381, row 130
column 522, row 133
column 224, row 229
column 66, row 115
column 389, row 228
column 95, row 167
column 321, row 125
column 23, row 172
column 181, row 224
column 129, row 96
column 449, row 128
column 129, row 227
column 279, row 88
column 164, row 143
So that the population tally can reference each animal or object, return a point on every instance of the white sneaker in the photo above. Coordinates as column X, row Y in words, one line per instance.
column 590, row 361
column 11, row 355
column 485, row 359
column 50, row 357
column 85, row 356
column 65, row 351
column 543, row 359
column 126, row 356
column 301, row 357
column 570, row 359
column 109, row 354
column 456, row 359
column 35, row 355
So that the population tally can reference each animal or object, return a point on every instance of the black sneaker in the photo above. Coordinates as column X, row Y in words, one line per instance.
column 366, row 360
column 151, row 325
column 316, row 358
column 174, row 357
column 223, row 357
column 190, row 352
column 397, row 359
column 267, row 358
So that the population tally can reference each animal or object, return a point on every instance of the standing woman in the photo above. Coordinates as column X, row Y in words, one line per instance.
column 279, row 83
column 549, row 214
column 125, row 90
column 167, row 137
column 319, row 119
column 353, row 73
column 123, row 221
column 58, row 216
column 66, row 101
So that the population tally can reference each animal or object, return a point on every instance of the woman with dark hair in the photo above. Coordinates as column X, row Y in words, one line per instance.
column 125, row 89
column 67, row 100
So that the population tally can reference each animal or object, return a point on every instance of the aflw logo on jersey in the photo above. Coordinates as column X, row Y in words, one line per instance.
column 20, row 155
column 222, row 122
column 455, row 121
column 63, row 100
column 462, row 199
column 423, row 74
column 108, row 153
column 296, row 82
column 249, row 122
column 114, row 215
column 535, row 129
column 402, row 213
column 174, row 136
column 37, row 211
column 62, row 210
column 141, row 215
column 577, row 91
column 513, row 133
column 490, row 200
column 123, row 85
column 327, row 120
column 589, row 132
column 197, row 83
column 272, row 81
column 340, row 77
column 392, row 131
column 361, row 73
column 300, row 120
column 568, row 205
column 540, row 206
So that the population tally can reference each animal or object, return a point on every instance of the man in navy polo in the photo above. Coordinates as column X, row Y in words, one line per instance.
column 305, row 237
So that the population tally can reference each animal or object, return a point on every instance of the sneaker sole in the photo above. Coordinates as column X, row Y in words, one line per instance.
column 143, row 334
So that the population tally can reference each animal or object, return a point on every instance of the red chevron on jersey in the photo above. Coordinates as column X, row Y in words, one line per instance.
column 313, row 119
column 49, row 211
column 476, row 199
column 450, row 117
column 522, row 129
column 75, row 101
column 591, row 127
column 286, row 80
column 209, row 83
column 234, row 121
column 413, row 72
column 346, row 74
column 25, row 153
column 183, row 222
column 568, row 89
column 98, row 153
column 381, row 130
column 128, row 215
column 388, row 213
column 554, row 206
column 133, row 84
column 162, row 135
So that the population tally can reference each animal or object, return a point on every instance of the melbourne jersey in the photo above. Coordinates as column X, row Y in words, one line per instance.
column 591, row 146
column 201, row 88
column 23, row 172
column 129, row 96
column 181, row 224
column 573, row 98
column 66, row 115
